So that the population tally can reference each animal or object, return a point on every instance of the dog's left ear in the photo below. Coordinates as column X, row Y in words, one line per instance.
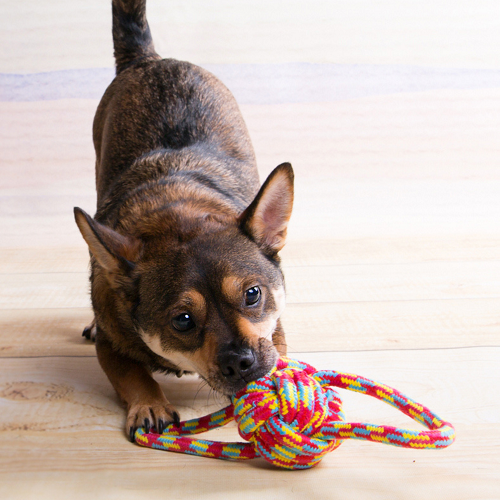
column 114, row 251
column 266, row 219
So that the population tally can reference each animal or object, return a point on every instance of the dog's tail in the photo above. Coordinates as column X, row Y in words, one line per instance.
column 131, row 35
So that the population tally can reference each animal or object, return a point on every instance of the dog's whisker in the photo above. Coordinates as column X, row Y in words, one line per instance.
column 202, row 385
column 208, row 396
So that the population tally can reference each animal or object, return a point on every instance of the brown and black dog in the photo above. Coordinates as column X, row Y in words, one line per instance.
column 184, row 246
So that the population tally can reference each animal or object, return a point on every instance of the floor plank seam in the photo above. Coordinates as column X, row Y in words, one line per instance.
column 434, row 299
column 290, row 303
column 306, row 266
column 455, row 348
column 292, row 353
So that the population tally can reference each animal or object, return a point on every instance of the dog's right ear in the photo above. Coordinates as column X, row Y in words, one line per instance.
column 112, row 250
column 266, row 219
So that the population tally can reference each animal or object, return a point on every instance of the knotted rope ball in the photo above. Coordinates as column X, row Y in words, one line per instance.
column 293, row 417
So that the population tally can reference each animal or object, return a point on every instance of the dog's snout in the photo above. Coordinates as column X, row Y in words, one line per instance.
column 237, row 365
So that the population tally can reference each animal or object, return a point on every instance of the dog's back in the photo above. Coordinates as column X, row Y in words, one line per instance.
column 165, row 117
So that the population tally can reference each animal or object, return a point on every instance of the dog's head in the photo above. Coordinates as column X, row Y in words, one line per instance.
column 203, row 292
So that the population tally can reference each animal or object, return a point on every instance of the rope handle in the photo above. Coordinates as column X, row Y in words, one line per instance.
column 174, row 438
column 440, row 434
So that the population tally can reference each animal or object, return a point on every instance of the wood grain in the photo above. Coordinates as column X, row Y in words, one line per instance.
column 314, row 252
column 180, row 477
column 392, row 261
column 77, row 388
column 305, row 284
column 392, row 181
column 392, row 325
column 89, row 448
column 310, row 327
column 45, row 332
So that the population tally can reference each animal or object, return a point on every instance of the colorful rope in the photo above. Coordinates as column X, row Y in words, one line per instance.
column 293, row 417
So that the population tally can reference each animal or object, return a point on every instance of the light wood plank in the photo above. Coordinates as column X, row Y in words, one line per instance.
column 44, row 260
column 392, row 325
column 104, row 466
column 432, row 136
column 45, row 332
column 309, row 327
column 390, row 282
column 297, row 252
column 82, row 438
column 393, row 246
column 53, row 290
column 441, row 135
column 384, row 250
column 305, row 284
column 392, row 180
column 58, row 133
column 72, row 393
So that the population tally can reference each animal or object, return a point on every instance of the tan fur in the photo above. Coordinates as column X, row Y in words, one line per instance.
column 232, row 287
column 254, row 331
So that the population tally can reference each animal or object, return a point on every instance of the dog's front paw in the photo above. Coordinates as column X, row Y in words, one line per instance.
column 155, row 415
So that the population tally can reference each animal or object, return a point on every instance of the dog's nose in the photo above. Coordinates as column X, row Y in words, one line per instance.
column 237, row 365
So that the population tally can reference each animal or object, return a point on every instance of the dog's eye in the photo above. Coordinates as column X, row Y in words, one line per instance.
column 183, row 322
column 252, row 296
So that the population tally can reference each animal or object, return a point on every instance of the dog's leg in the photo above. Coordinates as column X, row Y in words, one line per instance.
column 90, row 331
column 147, row 406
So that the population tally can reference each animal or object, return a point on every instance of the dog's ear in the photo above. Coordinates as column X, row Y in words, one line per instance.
column 112, row 250
column 266, row 219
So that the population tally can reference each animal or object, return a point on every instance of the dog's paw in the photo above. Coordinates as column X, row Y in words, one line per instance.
column 150, row 416
column 90, row 332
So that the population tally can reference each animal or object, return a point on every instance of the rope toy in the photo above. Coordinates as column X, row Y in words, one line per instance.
column 293, row 417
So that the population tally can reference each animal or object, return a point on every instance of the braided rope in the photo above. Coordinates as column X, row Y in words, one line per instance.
column 293, row 417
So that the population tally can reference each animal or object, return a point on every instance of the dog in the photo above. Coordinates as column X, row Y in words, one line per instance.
column 185, row 272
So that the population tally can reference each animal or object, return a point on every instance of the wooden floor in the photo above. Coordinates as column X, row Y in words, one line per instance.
column 390, row 115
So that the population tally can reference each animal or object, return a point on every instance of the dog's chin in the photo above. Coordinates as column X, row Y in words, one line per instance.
column 227, row 389
column 232, row 388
